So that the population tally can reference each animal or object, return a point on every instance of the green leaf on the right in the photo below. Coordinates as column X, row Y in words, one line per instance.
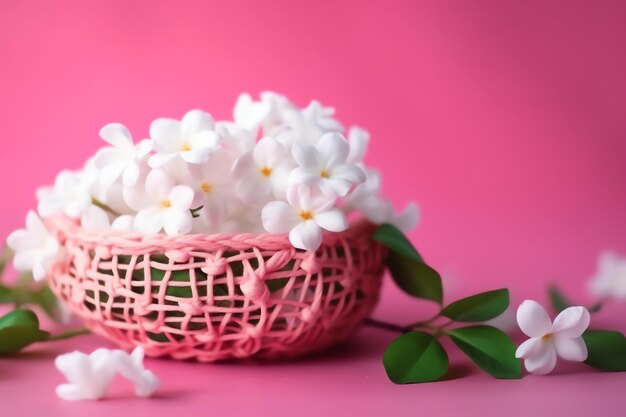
column 415, row 357
column 490, row 348
column 407, row 267
column 479, row 307
column 558, row 300
column 18, row 329
column 606, row 350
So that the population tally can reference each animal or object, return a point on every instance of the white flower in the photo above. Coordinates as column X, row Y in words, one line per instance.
column 192, row 138
column 213, row 187
column 249, row 114
column 122, row 157
column 325, row 164
column 70, row 195
column 307, row 213
column 262, row 173
column 610, row 278
column 162, row 205
column 548, row 339
column 306, row 126
column 89, row 376
column 35, row 248
column 131, row 367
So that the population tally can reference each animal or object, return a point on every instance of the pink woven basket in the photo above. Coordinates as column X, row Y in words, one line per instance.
column 216, row 297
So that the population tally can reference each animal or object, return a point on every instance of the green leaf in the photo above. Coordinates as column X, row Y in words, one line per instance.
column 415, row 277
column 606, row 350
column 558, row 300
column 479, row 307
column 393, row 238
column 407, row 267
column 415, row 357
column 18, row 329
column 6, row 295
column 490, row 348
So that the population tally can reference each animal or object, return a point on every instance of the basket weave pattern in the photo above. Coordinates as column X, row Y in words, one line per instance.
column 215, row 297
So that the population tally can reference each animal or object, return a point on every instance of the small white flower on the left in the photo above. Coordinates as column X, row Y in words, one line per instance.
column 162, row 205
column 549, row 339
column 36, row 249
column 89, row 376
column 70, row 195
column 307, row 213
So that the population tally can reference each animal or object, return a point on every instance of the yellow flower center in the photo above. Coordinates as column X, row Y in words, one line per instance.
column 206, row 187
column 266, row 171
column 325, row 174
column 185, row 148
column 305, row 215
column 166, row 203
column 547, row 337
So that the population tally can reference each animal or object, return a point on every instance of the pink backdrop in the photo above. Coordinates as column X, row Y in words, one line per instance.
column 505, row 120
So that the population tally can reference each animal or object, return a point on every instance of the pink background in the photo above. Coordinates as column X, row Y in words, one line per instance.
column 506, row 121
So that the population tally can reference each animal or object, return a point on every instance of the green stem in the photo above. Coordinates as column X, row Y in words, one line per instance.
column 422, row 323
column 103, row 206
column 68, row 334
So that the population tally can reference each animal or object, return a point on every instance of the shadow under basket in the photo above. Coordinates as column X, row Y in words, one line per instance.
column 219, row 297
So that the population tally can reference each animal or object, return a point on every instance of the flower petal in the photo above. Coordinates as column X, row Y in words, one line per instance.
column 571, row 349
column 335, row 187
column 542, row 363
column 117, row 135
column 349, row 172
column 306, row 156
column 195, row 121
column 181, row 197
column 334, row 220
column 166, row 133
column 198, row 156
column 333, row 149
column 149, row 221
column 533, row 319
column 529, row 348
column 306, row 235
column 176, row 223
column 206, row 139
column 571, row 322
column 359, row 139
column 158, row 185
column 278, row 217
column 160, row 159
column 95, row 219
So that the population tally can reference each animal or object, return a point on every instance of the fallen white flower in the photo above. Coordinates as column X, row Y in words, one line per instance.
column 89, row 376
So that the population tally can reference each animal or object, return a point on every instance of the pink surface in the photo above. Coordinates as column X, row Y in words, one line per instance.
column 506, row 120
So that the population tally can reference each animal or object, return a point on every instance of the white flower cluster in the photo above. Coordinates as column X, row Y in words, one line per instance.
column 275, row 167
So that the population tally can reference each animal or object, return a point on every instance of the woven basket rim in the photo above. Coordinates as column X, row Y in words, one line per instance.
column 69, row 230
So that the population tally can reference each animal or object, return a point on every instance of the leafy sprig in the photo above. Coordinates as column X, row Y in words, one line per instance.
column 20, row 327
column 417, row 355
